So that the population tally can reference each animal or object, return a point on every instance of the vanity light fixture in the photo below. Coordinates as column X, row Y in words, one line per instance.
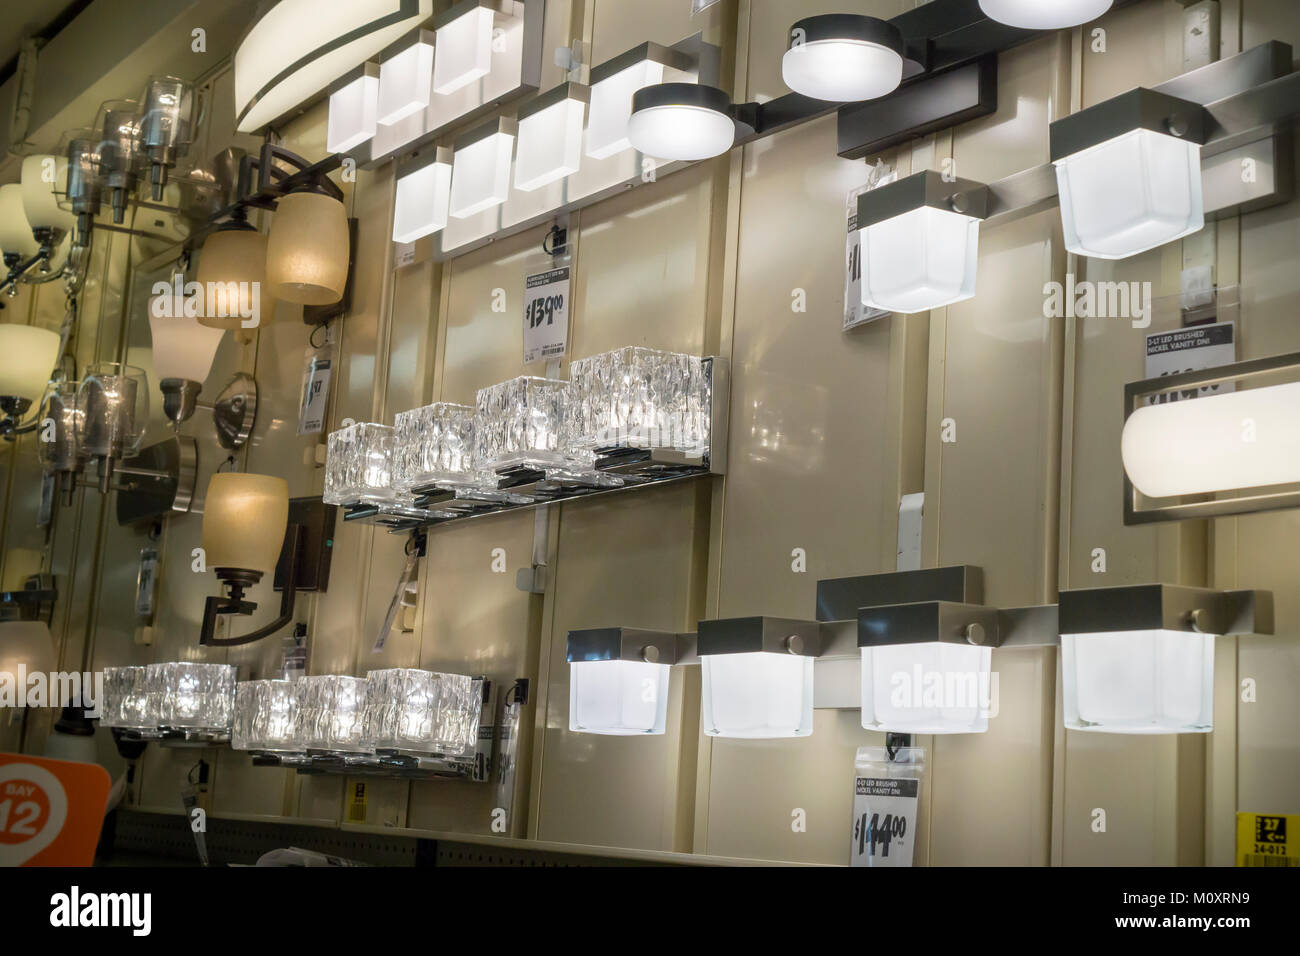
column 464, row 44
column 17, row 241
column 167, row 121
column 681, row 122
column 405, row 76
column 1128, row 172
column 354, row 109
column 309, row 249
column 549, row 146
column 44, row 179
column 184, row 349
column 843, row 57
column 1140, row 659
column 920, row 241
column 28, row 355
column 1044, row 14
column 232, row 274
column 758, row 676
column 480, row 176
column 423, row 194
column 613, row 84
column 118, row 128
column 619, row 679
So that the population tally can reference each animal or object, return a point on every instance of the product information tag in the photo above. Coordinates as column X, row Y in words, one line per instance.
column 146, row 581
column 1187, row 350
column 855, row 313
column 546, row 314
column 886, row 796
column 315, row 393
column 1268, row 839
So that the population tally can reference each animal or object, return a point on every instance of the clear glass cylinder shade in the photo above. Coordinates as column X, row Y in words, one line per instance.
column 192, row 695
column 118, row 147
column 639, row 398
column 618, row 697
column 432, row 444
column 308, row 249
column 44, row 181
column 358, row 465
column 1130, row 194
column 422, row 711
column 245, row 517
column 126, row 699
column 1138, row 682
column 58, row 449
column 167, row 118
column 16, row 237
column 520, row 423
column 934, row 687
column 81, row 147
column 112, row 410
column 758, row 695
column 924, row 259
column 331, row 713
column 27, row 358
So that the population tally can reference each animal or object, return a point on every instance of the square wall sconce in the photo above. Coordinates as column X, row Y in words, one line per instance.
column 423, row 194
column 405, row 77
column 920, row 242
column 758, row 676
column 612, row 85
column 927, row 667
column 550, row 136
column 1140, row 659
column 618, row 680
column 354, row 109
column 1128, row 172
column 480, row 176
column 464, row 43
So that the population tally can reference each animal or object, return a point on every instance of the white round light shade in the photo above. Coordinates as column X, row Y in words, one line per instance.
column 42, row 179
column 1245, row 439
column 26, row 643
column 922, row 259
column 27, row 358
column 308, row 250
column 1138, row 682
column 841, row 71
column 680, row 132
column 244, row 520
column 182, row 346
column 15, row 231
column 1044, row 14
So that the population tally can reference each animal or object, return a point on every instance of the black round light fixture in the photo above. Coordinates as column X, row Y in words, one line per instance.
column 681, row 121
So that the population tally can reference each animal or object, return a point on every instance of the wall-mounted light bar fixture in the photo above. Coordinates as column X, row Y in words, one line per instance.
column 464, row 35
column 423, row 194
column 405, row 77
column 549, row 145
column 480, row 172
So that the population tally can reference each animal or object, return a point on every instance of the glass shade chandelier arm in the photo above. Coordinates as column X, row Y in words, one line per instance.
column 236, row 605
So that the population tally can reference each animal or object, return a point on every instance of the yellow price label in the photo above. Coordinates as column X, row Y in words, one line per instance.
column 1268, row 839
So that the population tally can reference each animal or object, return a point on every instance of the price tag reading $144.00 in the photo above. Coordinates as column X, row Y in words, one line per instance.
column 884, row 820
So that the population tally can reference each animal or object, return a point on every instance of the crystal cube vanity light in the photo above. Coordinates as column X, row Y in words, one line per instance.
column 519, row 423
column 264, row 717
column 619, row 680
column 434, row 444
column 422, row 712
column 188, row 695
column 358, row 465
column 330, row 713
column 758, row 676
column 126, row 699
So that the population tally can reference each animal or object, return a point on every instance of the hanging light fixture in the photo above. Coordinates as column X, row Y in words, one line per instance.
column 843, row 57
column 309, row 249
column 480, row 177
column 183, row 352
column 681, row 122
column 618, row 680
column 423, row 194
column 232, row 274
column 550, row 136
column 167, row 121
column 1129, row 173
column 758, row 676
column 1044, row 14
column 118, row 149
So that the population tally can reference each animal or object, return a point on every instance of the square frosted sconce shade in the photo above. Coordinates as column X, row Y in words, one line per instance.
column 464, row 46
column 759, row 694
column 935, row 687
column 618, row 697
column 611, row 106
column 550, row 137
column 354, row 109
column 423, row 198
column 405, row 76
column 480, row 176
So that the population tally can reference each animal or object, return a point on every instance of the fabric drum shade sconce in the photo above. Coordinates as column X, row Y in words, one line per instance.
column 354, row 109
column 244, row 520
column 920, row 242
column 1044, row 14
column 842, row 57
column 27, row 357
column 480, row 176
column 681, row 122
column 232, row 263
column 299, row 47
column 423, row 195
column 464, row 45
column 1128, row 172
column 550, row 136
column 308, row 251
column 758, row 677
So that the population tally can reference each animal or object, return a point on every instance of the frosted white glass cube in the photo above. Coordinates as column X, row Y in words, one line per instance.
column 1138, row 682
column 618, row 697
column 923, row 259
column 611, row 107
column 404, row 83
column 550, row 145
column 480, row 177
column 353, row 114
column 935, row 687
column 758, row 694
column 423, row 198
column 1130, row 194
column 464, row 50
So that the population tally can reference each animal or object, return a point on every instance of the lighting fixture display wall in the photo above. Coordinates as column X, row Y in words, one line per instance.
column 842, row 57
column 549, row 146
column 354, row 109
column 464, row 44
column 1129, row 173
column 619, row 680
column 480, row 176
column 405, row 75
column 682, row 122
column 1044, row 14
column 920, row 242
column 423, row 195
column 758, row 676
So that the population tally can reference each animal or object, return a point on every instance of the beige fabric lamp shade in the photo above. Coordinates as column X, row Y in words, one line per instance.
column 26, row 643
column 15, row 231
column 244, row 520
column 307, row 253
column 232, row 256
column 27, row 357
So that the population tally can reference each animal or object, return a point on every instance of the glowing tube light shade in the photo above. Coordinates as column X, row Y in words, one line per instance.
column 480, row 177
column 308, row 249
column 464, row 47
column 1238, row 440
column 404, row 80
column 757, row 695
column 1044, row 14
column 550, row 136
column 843, row 57
column 244, row 520
column 423, row 198
column 618, row 697
column 354, row 110
column 936, row 687
column 681, row 122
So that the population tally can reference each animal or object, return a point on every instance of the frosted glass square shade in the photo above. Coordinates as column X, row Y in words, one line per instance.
column 923, row 259
column 611, row 107
column 759, row 694
column 480, row 177
column 1139, row 682
column 929, row 688
column 423, row 198
column 354, row 110
column 404, row 82
column 1130, row 194
column 464, row 50
column 550, row 145
column 618, row 697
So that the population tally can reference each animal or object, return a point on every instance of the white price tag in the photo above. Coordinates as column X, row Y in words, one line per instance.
column 884, row 820
column 546, row 314
column 1191, row 349
column 855, row 313
column 315, row 395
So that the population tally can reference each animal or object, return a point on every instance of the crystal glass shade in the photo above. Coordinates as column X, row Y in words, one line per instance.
column 358, row 465
column 126, row 699
column 422, row 711
column 433, row 444
column 519, row 423
column 330, row 713
column 264, row 716
column 189, row 695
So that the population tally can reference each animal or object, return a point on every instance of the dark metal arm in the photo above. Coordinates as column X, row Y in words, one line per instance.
column 223, row 605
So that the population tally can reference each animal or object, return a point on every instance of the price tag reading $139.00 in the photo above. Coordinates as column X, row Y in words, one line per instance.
column 546, row 314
